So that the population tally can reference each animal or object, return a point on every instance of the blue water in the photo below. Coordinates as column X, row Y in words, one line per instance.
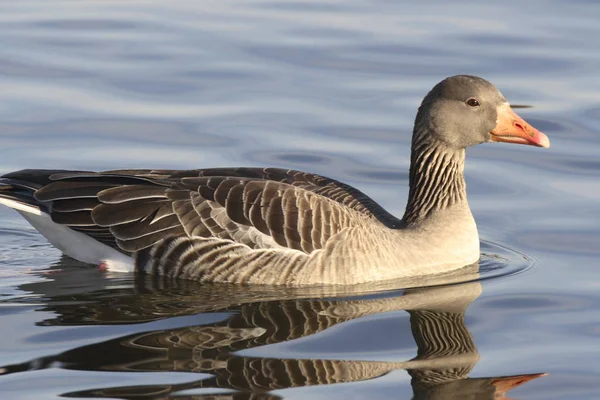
column 330, row 87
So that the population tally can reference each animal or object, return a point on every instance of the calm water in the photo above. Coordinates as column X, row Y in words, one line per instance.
column 330, row 87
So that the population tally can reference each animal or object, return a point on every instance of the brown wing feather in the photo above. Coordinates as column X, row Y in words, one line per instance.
column 262, row 208
column 327, row 187
column 225, row 205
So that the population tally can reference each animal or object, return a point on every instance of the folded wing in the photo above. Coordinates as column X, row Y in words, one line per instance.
column 261, row 208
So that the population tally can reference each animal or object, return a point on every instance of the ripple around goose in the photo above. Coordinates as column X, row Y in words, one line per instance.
column 275, row 226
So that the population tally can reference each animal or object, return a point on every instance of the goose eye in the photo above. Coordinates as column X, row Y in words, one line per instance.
column 472, row 102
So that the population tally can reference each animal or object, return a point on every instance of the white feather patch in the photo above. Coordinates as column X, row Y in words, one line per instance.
column 74, row 244
column 21, row 207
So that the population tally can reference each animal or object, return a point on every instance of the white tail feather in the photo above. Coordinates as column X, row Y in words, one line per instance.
column 22, row 207
column 74, row 244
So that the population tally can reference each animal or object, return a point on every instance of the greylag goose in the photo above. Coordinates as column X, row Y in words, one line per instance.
column 276, row 226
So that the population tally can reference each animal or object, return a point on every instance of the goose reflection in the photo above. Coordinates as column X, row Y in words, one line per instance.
column 446, row 352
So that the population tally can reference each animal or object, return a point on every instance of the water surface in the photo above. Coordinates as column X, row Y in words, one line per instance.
column 332, row 88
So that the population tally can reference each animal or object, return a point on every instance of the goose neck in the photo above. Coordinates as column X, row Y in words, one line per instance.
column 436, row 180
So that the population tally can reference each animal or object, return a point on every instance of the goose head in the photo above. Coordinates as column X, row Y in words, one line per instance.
column 463, row 110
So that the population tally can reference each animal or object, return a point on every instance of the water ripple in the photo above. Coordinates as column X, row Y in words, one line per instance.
column 329, row 87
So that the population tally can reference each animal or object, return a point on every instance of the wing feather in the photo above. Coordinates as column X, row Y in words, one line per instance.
column 143, row 242
column 76, row 218
column 77, row 204
column 62, row 190
column 125, row 212
column 122, row 194
column 256, row 208
column 135, row 230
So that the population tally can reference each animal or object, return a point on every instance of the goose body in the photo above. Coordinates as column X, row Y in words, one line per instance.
column 276, row 226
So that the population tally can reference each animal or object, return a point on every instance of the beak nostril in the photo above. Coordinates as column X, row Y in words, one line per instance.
column 518, row 125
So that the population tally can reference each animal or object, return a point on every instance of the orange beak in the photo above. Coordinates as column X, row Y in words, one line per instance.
column 511, row 128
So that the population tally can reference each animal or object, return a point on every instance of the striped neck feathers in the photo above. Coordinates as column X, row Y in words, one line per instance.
column 436, row 177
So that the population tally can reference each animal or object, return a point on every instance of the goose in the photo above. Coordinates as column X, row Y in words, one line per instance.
column 270, row 226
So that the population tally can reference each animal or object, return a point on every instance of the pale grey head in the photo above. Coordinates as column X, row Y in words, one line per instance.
column 465, row 110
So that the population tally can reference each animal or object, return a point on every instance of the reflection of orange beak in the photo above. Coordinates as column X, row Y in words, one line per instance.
column 511, row 128
column 505, row 383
